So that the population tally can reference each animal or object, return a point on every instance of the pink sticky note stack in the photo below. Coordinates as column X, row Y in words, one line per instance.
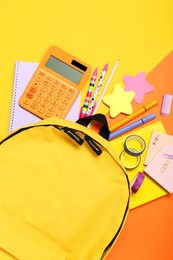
column 139, row 85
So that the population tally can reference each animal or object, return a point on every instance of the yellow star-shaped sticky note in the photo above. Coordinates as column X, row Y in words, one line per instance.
column 119, row 101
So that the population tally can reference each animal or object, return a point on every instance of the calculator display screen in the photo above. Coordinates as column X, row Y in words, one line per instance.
column 64, row 69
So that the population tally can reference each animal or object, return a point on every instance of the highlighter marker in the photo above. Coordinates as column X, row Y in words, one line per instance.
column 131, row 126
column 135, row 114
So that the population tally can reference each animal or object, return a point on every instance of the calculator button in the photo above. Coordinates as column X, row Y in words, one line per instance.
column 37, row 99
column 39, row 78
column 33, row 105
column 59, row 113
column 51, row 108
column 65, row 101
column 40, row 109
column 58, row 96
column 40, row 94
column 46, row 82
column 61, row 91
column 56, row 81
column 49, row 77
column 26, row 101
column 68, row 95
column 41, row 73
column 54, row 102
column 54, row 87
column 43, row 88
column 61, row 106
column 71, row 90
column 48, row 114
column 29, row 95
column 33, row 90
column 47, row 98
column 43, row 103
column 50, row 92
column 64, row 86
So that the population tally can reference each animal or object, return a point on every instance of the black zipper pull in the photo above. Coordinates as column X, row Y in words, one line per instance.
column 93, row 145
column 72, row 133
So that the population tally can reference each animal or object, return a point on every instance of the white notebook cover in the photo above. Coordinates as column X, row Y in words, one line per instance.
column 19, row 117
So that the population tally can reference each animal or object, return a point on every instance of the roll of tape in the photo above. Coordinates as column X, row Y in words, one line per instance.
column 128, row 166
column 137, row 182
column 134, row 151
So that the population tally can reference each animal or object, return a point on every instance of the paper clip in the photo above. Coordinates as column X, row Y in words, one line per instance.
column 156, row 139
column 168, row 156
column 164, row 166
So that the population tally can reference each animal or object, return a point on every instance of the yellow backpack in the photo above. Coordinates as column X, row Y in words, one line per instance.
column 64, row 194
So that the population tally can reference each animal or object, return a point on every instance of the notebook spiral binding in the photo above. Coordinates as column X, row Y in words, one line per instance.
column 22, row 74
column 13, row 102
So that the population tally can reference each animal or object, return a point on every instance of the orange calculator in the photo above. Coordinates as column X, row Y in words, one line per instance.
column 55, row 84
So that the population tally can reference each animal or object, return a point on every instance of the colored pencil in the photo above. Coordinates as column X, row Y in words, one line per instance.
column 89, row 94
column 106, row 86
column 96, row 91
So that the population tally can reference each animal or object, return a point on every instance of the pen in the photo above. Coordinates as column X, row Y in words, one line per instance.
column 96, row 91
column 133, row 115
column 131, row 126
column 89, row 94
column 106, row 86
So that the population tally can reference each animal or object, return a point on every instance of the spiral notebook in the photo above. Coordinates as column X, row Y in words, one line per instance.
column 20, row 117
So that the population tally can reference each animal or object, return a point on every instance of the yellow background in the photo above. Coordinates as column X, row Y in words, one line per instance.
column 139, row 33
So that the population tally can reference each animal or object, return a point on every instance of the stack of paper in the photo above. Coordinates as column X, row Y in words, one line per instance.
column 159, row 160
